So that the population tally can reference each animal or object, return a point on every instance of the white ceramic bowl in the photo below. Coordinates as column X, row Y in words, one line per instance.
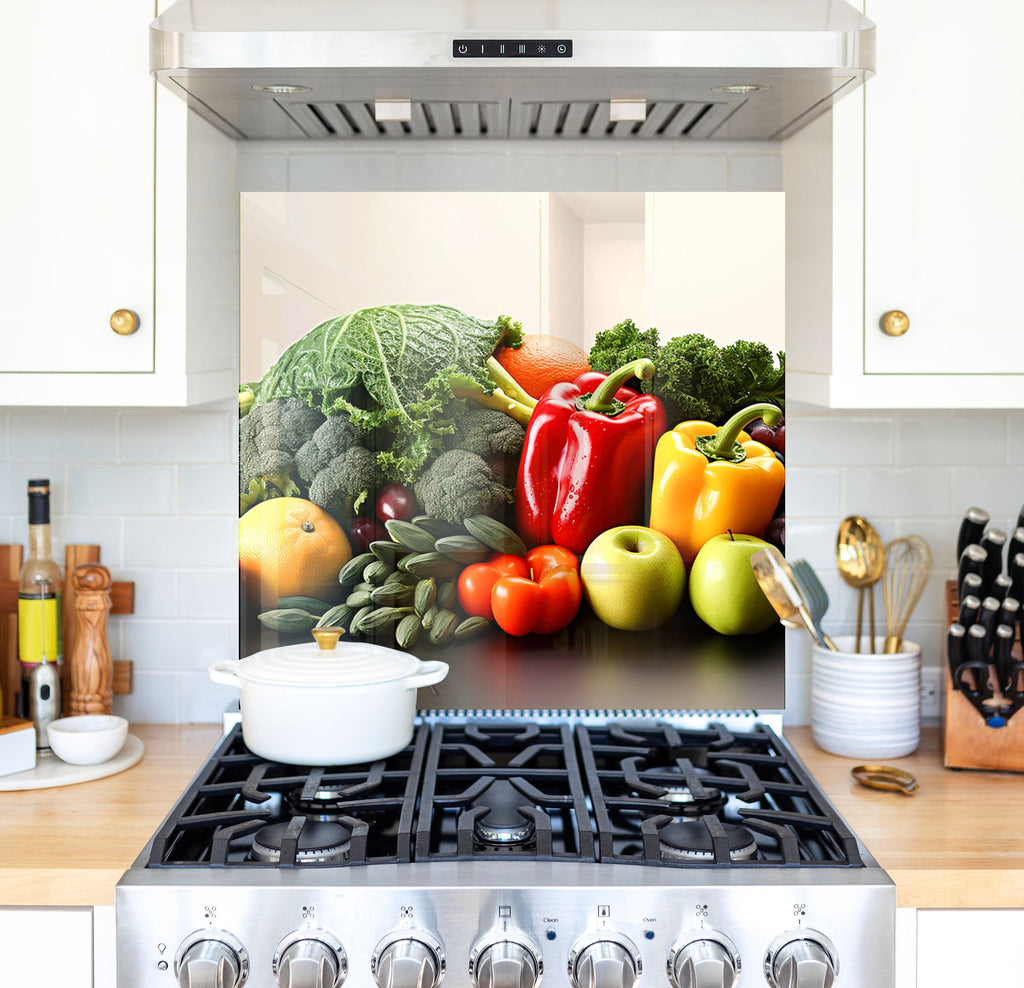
column 88, row 739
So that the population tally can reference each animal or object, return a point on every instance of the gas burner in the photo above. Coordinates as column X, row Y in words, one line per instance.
column 691, row 841
column 318, row 842
column 502, row 823
column 682, row 801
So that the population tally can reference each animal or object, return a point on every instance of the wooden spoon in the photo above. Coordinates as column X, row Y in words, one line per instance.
column 860, row 558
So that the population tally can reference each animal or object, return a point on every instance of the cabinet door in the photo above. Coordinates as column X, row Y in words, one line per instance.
column 76, row 201
column 47, row 948
column 944, row 203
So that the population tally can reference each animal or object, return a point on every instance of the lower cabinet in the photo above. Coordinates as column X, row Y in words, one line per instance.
column 968, row 947
column 48, row 947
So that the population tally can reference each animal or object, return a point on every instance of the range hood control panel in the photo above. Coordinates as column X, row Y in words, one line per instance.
column 515, row 48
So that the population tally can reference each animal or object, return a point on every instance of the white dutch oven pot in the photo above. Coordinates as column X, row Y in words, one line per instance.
column 319, row 705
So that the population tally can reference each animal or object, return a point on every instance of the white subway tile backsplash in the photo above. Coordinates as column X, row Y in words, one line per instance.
column 101, row 530
column 156, row 593
column 570, row 171
column 180, row 542
column 811, row 491
column 174, row 437
column 154, row 699
column 79, row 437
column 896, row 493
column 674, row 172
column 203, row 701
column 209, row 593
column 929, row 440
column 837, row 440
column 14, row 478
column 351, row 172
column 207, row 490
column 755, row 172
column 461, row 172
column 158, row 645
column 120, row 489
column 999, row 490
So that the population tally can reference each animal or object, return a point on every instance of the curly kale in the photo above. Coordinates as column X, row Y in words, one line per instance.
column 621, row 344
column 459, row 484
column 338, row 467
column 692, row 380
column 268, row 438
column 756, row 375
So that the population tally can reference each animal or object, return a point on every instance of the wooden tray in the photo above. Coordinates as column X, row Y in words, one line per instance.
column 967, row 741
column 50, row 771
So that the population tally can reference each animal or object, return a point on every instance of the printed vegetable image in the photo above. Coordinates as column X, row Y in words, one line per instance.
column 586, row 461
column 708, row 481
column 539, row 592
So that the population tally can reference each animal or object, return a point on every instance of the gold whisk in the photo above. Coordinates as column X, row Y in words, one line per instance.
column 908, row 562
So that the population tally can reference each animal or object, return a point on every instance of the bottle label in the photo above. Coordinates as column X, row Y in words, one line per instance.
column 39, row 629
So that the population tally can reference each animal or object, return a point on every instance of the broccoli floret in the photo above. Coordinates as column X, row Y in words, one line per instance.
column 268, row 438
column 459, row 484
column 333, row 438
column 487, row 432
column 615, row 347
column 344, row 482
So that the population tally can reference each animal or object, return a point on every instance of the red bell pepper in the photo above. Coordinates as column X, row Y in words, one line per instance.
column 540, row 593
column 587, row 461
column 589, row 380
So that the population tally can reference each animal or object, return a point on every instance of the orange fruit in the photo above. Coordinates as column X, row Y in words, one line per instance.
column 543, row 360
column 288, row 547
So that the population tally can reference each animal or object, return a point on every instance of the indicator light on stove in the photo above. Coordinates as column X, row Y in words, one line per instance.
column 211, row 959
column 801, row 959
column 709, row 960
column 408, row 959
column 310, row 959
column 608, row 960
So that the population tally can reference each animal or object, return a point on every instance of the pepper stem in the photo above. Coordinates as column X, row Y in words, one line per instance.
column 723, row 445
column 603, row 399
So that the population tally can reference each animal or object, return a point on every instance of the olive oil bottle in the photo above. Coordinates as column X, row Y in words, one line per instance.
column 39, row 591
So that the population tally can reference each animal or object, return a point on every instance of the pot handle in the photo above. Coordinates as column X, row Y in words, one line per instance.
column 430, row 673
column 224, row 673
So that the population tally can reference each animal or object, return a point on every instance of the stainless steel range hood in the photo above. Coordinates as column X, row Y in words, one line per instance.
column 496, row 69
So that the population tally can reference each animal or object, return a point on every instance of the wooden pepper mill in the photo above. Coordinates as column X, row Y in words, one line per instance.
column 91, row 667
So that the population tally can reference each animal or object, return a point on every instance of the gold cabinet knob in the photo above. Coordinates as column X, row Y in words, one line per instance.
column 895, row 323
column 124, row 322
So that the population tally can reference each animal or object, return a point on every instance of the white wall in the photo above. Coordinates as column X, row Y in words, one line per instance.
column 157, row 489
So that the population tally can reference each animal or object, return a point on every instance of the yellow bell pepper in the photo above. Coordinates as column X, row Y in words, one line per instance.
column 710, row 480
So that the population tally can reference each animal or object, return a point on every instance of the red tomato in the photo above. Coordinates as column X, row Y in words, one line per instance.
column 477, row 580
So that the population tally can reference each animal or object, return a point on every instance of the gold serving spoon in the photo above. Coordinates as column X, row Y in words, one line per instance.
column 860, row 558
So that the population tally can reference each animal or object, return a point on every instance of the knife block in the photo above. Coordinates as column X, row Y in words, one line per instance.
column 967, row 741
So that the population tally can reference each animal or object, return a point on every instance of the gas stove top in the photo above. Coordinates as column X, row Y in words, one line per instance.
column 490, row 851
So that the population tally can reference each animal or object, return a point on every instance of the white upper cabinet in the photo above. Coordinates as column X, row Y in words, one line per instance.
column 923, row 168
column 96, row 220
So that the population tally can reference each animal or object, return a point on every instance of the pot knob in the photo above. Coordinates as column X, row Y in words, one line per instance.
column 802, row 959
column 709, row 961
column 211, row 959
column 415, row 960
column 611, row 961
column 505, row 963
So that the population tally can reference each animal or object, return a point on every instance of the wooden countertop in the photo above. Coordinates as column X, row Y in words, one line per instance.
column 959, row 842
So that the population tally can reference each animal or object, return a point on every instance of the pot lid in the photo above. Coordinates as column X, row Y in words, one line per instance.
column 348, row 664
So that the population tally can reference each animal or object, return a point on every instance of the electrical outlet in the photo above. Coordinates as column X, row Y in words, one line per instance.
column 931, row 694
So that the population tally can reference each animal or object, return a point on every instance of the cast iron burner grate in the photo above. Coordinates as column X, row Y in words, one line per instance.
column 635, row 792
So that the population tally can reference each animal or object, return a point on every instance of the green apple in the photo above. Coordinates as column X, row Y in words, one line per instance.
column 723, row 589
column 633, row 577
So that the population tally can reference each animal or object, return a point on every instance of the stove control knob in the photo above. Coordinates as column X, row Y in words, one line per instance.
column 605, row 960
column 211, row 959
column 801, row 959
column 408, row 959
column 502, row 961
column 709, row 960
column 310, row 959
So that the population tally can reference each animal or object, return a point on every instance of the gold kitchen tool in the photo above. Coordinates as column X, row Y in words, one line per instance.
column 908, row 562
column 884, row 777
column 860, row 558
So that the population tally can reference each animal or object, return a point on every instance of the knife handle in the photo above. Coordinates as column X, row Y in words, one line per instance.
column 972, row 560
column 988, row 618
column 1009, row 612
column 956, row 650
column 1000, row 587
column 1017, row 576
column 971, row 528
column 977, row 659
column 993, row 542
column 979, row 670
column 1004, row 645
column 1016, row 544
column 970, row 608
